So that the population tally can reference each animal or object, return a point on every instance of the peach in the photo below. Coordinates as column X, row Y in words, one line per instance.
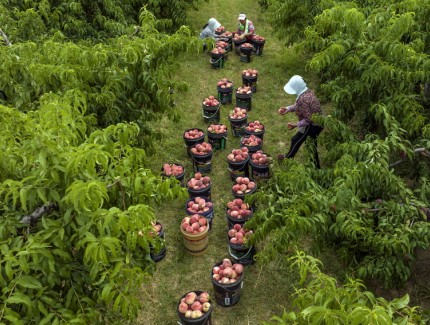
column 196, row 305
column 238, row 268
column 190, row 297
column 183, row 307
column 204, row 297
column 206, row 306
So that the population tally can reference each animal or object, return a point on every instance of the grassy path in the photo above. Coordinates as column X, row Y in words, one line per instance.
column 267, row 290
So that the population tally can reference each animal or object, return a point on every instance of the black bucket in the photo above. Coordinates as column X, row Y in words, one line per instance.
column 243, row 101
column 232, row 221
column 227, row 295
column 211, row 114
column 225, row 95
column 242, row 196
column 250, row 81
column 204, row 320
column 257, row 134
column 191, row 142
column 209, row 215
column 238, row 126
column 245, row 54
column 180, row 177
column 237, row 44
column 217, row 63
column 259, row 171
column 202, row 163
column 217, row 140
column 251, row 149
column 241, row 253
column 158, row 256
column 238, row 169
column 205, row 192
column 258, row 47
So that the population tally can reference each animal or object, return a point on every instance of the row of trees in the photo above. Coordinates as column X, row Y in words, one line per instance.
column 81, row 86
column 373, row 62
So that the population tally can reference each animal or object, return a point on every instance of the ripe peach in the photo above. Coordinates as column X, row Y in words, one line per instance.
column 238, row 268
column 196, row 305
column 190, row 297
column 188, row 313
column 206, row 306
column 183, row 307
column 204, row 297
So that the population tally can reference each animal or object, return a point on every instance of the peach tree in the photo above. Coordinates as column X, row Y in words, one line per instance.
column 128, row 78
column 77, row 206
column 322, row 300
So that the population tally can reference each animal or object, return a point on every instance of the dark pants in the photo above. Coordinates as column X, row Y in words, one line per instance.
column 297, row 140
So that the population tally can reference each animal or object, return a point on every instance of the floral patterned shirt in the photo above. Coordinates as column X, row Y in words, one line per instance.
column 305, row 106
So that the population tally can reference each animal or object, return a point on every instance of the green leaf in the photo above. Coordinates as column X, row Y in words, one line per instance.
column 19, row 298
column 29, row 282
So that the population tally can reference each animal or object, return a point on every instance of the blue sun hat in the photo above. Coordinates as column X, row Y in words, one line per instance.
column 295, row 86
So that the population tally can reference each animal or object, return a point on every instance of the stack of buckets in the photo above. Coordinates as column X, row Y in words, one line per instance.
column 245, row 52
column 238, row 125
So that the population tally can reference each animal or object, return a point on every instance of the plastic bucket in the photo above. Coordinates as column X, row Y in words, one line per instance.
column 250, row 81
column 204, row 320
column 217, row 63
column 209, row 215
column 225, row 95
column 206, row 192
column 217, row 140
column 241, row 253
column 180, row 177
column 238, row 126
column 245, row 54
column 257, row 134
column 191, row 142
column 237, row 44
column 158, row 256
column 238, row 169
column 259, row 171
column 211, row 114
column 251, row 149
column 196, row 244
column 227, row 295
column 242, row 196
column 202, row 163
column 243, row 101
column 232, row 221
column 258, row 47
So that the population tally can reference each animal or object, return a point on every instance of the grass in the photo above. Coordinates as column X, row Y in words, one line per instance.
column 267, row 289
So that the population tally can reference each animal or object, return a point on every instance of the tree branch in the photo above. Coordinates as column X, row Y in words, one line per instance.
column 422, row 151
column 39, row 212
column 5, row 38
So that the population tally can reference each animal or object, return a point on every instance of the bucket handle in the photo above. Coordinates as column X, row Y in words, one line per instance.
column 236, row 257
column 214, row 114
column 213, row 62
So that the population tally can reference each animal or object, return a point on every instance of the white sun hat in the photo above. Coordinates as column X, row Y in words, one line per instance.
column 213, row 24
column 295, row 86
column 242, row 17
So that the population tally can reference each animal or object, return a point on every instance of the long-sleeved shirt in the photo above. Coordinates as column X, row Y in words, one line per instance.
column 305, row 106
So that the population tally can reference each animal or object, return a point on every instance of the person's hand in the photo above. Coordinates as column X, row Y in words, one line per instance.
column 242, row 36
column 291, row 125
column 282, row 111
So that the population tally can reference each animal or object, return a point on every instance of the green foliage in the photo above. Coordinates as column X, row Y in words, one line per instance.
column 125, row 80
column 358, row 204
column 324, row 301
column 34, row 20
column 85, row 262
